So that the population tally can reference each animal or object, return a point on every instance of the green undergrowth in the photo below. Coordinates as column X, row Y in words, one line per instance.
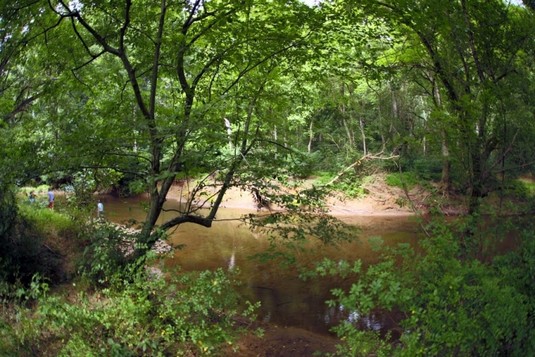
column 139, row 314
column 530, row 186
column 47, row 221
column 406, row 180
column 108, row 305
column 527, row 186
column 444, row 299
column 349, row 184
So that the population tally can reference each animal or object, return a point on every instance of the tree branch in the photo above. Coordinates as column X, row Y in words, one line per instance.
column 358, row 162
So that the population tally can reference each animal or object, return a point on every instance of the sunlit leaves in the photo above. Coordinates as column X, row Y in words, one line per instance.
column 444, row 305
column 192, row 313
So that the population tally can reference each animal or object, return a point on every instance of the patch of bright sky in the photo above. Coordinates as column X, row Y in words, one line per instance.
column 311, row 2
column 75, row 5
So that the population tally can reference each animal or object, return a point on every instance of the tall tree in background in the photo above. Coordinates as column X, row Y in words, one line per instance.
column 347, row 70
column 474, row 48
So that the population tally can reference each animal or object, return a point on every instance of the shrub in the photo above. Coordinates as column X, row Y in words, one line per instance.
column 186, row 314
column 303, row 165
column 448, row 306
column 351, row 186
column 105, row 253
column 402, row 179
column 428, row 168
column 517, row 189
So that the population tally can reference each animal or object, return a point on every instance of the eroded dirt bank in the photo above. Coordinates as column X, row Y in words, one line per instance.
column 379, row 200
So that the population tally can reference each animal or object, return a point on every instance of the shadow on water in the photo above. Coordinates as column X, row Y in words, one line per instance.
column 285, row 299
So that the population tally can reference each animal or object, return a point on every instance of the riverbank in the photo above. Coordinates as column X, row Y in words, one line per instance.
column 379, row 199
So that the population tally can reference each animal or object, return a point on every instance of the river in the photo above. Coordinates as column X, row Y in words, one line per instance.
column 285, row 299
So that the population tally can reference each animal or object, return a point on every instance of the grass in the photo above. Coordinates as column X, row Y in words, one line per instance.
column 46, row 220
column 39, row 190
column 529, row 185
column 402, row 179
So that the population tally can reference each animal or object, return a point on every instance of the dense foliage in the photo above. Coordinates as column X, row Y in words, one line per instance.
column 445, row 303
column 186, row 314
column 135, row 96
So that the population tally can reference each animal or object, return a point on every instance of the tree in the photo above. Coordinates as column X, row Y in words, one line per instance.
column 345, row 115
column 529, row 3
column 472, row 47
column 21, row 84
column 184, row 62
column 20, row 87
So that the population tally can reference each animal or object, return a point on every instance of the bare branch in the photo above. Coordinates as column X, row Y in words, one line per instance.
column 377, row 156
column 20, row 106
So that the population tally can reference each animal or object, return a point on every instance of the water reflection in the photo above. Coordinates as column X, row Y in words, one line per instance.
column 232, row 261
column 285, row 299
column 368, row 322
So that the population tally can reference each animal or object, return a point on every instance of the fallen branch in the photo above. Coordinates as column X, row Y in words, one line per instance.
column 359, row 161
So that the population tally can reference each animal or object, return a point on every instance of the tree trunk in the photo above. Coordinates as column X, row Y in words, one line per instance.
column 363, row 136
column 310, row 135
column 445, row 180
column 476, row 190
column 446, row 163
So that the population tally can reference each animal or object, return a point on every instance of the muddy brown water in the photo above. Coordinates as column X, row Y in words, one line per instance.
column 285, row 299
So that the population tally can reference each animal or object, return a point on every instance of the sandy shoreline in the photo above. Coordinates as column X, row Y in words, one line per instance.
column 369, row 205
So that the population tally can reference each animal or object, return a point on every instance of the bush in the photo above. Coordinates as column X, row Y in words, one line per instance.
column 517, row 189
column 105, row 254
column 351, row 186
column 402, row 179
column 187, row 314
column 448, row 306
column 428, row 169
column 303, row 165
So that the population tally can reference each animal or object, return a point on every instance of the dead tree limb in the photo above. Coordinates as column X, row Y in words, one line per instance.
column 366, row 157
